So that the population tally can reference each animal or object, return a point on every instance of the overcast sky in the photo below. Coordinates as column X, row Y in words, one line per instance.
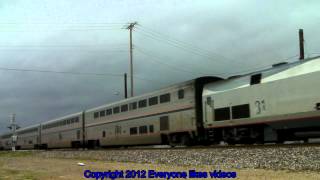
column 176, row 40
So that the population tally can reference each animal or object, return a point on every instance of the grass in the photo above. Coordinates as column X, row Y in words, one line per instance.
column 24, row 165
column 18, row 174
column 15, row 154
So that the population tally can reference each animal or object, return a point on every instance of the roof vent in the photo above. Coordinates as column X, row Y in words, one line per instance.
column 279, row 64
column 235, row 76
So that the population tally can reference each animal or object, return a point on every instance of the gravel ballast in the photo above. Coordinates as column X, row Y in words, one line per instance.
column 274, row 158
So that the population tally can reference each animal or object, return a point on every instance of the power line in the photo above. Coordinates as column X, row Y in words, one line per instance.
column 250, row 70
column 63, row 23
column 180, row 44
column 173, row 40
column 43, row 27
column 183, row 48
column 159, row 61
column 61, row 45
column 59, row 30
column 95, row 48
column 75, row 73
column 7, row 50
column 166, row 58
column 60, row 72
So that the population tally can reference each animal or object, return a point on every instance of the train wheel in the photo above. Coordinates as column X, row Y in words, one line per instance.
column 185, row 140
column 172, row 144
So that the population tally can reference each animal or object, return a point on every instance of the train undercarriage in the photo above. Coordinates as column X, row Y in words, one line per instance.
column 260, row 134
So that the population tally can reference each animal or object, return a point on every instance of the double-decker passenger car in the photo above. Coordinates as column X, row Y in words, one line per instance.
column 167, row 115
column 62, row 132
column 6, row 140
column 28, row 138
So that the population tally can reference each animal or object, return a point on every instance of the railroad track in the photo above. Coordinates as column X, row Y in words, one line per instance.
column 165, row 147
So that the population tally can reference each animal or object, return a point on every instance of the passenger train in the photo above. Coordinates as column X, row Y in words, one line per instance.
column 273, row 105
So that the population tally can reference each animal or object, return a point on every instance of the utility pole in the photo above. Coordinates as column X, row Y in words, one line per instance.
column 130, row 27
column 125, row 86
column 301, row 44
column 13, row 126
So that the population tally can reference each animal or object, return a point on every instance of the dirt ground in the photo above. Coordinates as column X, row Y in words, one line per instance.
column 25, row 166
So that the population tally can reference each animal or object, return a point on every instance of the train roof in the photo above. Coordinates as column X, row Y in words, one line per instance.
column 165, row 89
column 62, row 118
column 276, row 72
column 278, row 66
column 28, row 127
column 6, row 134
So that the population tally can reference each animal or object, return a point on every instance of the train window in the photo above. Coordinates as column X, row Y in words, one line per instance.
column 117, row 129
column 255, row 79
column 102, row 113
column 143, row 103
column 164, row 123
column 116, row 110
column 133, row 106
column 124, row 108
column 64, row 122
column 165, row 98
column 78, row 134
column 68, row 121
column 153, row 101
column 151, row 128
column 109, row 112
column 103, row 133
column 76, row 119
column 28, row 131
column 240, row 111
column 221, row 114
column 96, row 115
column 73, row 120
column 133, row 130
column 143, row 129
column 30, row 142
column 209, row 101
column 60, row 136
column 181, row 94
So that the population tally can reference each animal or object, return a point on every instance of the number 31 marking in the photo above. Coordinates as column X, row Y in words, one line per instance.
column 261, row 106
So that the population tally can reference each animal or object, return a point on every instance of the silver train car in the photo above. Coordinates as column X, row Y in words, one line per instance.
column 171, row 115
column 28, row 138
column 273, row 105
column 64, row 132
column 6, row 141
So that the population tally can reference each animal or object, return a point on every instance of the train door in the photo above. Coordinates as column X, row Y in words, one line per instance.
column 209, row 110
column 117, row 132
